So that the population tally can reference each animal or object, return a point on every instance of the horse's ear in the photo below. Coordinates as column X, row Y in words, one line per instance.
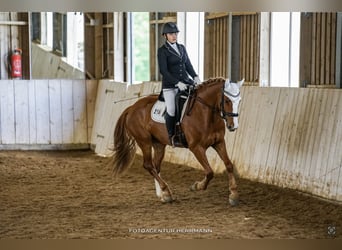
column 227, row 82
column 241, row 82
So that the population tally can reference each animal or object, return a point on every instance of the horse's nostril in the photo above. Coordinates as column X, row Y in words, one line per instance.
column 231, row 128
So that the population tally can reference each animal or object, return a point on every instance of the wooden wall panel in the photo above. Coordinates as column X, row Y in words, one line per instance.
column 32, row 112
column 249, row 48
column 91, row 89
column 7, row 113
column 80, row 112
column 55, row 104
column 21, row 103
column 331, row 136
column 216, row 46
column 67, row 111
column 216, row 57
column 323, row 48
column 109, row 92
column 98, row 112
column 43, row 114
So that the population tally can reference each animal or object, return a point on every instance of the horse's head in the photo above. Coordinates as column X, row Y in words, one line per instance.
column 230, row 103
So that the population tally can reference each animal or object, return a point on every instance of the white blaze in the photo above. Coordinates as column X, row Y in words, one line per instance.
column 232, row 91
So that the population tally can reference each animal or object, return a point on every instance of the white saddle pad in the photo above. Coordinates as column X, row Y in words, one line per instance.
column 158, row 111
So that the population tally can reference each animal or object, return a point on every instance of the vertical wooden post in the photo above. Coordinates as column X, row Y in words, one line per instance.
column 305, row 50
column 98, row 45
column 207, row 47
column 338, row 75
column 243, row 42
column 89, row 46
column 322, row 49
column 118, row 47
column 229, row 56
column 317, row 49
column 264, row 59
column 25, row 44
column 157, row 36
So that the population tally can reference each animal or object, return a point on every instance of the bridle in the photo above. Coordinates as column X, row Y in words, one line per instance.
column 223, row 114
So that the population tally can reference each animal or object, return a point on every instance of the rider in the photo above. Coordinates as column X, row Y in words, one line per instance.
column 175, row 68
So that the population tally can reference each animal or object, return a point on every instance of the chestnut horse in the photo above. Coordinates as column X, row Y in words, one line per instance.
column 214, row 104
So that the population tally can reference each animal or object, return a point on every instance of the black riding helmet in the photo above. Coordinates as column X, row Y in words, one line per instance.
column 170, row 27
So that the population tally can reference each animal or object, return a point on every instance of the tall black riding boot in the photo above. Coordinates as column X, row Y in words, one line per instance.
column 170, row 122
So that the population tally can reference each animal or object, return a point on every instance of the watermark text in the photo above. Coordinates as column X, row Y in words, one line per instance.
column 170, row 230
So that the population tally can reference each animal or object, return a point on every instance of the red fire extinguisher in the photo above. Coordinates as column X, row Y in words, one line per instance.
column 16, row 64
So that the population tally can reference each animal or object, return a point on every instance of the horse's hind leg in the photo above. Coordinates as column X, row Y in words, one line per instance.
column 165, row 194
column 158, row 156
column 222, row 152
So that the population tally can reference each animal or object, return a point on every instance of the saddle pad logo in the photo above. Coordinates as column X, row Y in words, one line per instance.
column 158, row 111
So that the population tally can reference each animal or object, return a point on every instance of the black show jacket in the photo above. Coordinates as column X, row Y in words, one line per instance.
column 174, row 67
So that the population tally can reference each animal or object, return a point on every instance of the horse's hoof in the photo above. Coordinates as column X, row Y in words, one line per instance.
column 193, row 187
column 167, row 199
column 233, row 201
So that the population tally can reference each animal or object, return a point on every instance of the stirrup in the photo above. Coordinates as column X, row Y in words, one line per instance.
column 176, row 143
column 171, row 140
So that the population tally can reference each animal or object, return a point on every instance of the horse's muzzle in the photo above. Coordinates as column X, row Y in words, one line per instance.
column 231, row 128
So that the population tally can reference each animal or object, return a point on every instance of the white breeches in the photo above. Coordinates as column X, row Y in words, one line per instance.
column 170, row 96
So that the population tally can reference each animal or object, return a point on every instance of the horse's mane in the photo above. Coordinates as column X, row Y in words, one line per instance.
column 211, row 81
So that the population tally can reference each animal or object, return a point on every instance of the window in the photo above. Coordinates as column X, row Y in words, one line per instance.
column 60, row 33
column 35, row 28
column 75, row 41
column 138, row 67
column 191, row 25
column 285, row 37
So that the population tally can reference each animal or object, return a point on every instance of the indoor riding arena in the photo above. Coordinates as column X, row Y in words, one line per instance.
column 78, row 72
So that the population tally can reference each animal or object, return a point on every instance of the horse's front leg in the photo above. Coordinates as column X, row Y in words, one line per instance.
column 222, row 152
column 200, row 155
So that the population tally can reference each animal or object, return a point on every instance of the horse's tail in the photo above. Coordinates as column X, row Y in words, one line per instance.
column 124, row 146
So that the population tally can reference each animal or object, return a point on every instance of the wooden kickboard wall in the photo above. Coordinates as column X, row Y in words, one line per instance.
column 41, row 114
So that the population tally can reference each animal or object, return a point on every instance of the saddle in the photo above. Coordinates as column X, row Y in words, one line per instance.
column 159, row 109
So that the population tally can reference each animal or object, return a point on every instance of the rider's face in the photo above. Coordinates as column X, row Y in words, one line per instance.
column 172, row 37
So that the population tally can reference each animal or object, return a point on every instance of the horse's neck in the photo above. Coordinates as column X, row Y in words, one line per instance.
column 210, row 93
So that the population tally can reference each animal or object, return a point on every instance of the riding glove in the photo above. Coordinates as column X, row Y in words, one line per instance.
column 197, row 80
column 182, row 86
